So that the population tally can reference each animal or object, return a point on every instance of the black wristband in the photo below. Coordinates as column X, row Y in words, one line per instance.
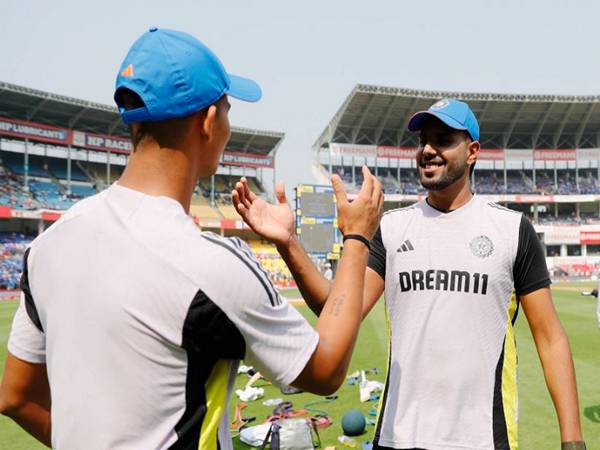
column 573, row 445
column 358, row 237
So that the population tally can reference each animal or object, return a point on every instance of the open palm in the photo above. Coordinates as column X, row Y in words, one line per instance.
column 274, row 222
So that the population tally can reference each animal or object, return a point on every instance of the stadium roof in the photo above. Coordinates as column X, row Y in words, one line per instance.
column 377, row 115
column 18, row 102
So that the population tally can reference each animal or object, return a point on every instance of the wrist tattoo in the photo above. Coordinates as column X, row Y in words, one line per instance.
column 336, row 305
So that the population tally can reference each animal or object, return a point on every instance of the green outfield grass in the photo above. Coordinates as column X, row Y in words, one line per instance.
column 538, row 428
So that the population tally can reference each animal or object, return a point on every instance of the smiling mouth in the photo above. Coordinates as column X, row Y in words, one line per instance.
column 431, row 166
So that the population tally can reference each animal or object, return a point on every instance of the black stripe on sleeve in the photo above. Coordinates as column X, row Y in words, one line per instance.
column 266, row 283
column 377, row 254
column 29, row 303
column 207, row 337
column 530, row 272
column 246, row 251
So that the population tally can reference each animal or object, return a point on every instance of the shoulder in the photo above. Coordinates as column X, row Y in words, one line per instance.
column 399, row 217
column 78, row 210
column 229, row 267
column 500, row 214
column 397, row 212
column 496, row 208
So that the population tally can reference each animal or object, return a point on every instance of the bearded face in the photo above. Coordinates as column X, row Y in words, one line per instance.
column 442, row 155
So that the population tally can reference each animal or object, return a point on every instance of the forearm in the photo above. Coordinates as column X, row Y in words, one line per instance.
column 339, row 321
column 559, row 373
column 33, row 418
column 313, row 286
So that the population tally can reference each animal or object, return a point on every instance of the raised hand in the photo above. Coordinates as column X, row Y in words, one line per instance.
column 274, row 222
column 362, row 215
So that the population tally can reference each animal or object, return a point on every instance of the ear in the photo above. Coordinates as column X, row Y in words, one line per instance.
column 208, row 122
column 473, row 149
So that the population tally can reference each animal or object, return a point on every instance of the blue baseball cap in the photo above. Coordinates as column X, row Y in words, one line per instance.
column 176, row 75
column 452, row 112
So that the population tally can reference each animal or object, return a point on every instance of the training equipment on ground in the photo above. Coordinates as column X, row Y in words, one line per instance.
column 250, row 393
column 353, row 423
column 347, row 441
column 368, row 387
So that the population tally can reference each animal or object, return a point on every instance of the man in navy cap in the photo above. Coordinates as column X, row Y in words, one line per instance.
column 134, row 334
column 455, row 269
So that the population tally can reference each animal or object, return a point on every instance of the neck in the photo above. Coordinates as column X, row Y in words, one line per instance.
column 452, row 197
column 161, row 172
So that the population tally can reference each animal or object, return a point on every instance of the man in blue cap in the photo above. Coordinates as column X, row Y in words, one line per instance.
column 135, row 334
column 450, row 267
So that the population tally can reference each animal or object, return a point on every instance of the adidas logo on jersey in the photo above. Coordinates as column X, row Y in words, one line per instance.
column 405, row 247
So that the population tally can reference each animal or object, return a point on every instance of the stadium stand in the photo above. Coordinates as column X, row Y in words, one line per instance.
column 226, row 208
column 12, row 249
column 58, row 168
column 50, row 195
column 271, row 261
column 16, row 163
column 200, row 207
column 12, row 193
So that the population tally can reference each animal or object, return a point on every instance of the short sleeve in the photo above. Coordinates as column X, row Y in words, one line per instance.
column 377, row 254
column 530, row 272
column 278, row 340
column 26, row 341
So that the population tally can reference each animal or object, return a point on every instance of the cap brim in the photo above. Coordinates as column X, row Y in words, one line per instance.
column 416, row 121
column 244, row 89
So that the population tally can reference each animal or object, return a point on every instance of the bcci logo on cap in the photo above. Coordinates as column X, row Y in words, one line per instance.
column 482, row 246
column 440, row 105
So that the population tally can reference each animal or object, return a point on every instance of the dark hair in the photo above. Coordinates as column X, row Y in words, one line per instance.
column 167, row 133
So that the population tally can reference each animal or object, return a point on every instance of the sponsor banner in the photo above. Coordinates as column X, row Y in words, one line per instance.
column 491, row 154
column 353, row 150
column 247, row 159
column 33, row 131
column 25, row 214
column 503, row 198
column 207, row 223
column 590, row 237
column 534, row 199
column 5, row 212
column 567, row 154
column 50, row 216
column 232, row 224
column 10, row 294
column 396, row 152
column 102, row 142
column 372, row 151
column 588, row 154
column 519, row 155
column 554, row 235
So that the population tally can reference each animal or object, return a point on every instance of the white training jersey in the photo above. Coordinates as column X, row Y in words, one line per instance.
column 449, row 284
column 141, row 319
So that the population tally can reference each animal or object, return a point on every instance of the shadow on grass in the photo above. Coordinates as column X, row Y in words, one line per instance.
column 592, row 413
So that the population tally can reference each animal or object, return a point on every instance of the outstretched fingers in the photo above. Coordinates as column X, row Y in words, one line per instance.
column 242, row 195
column 367, row 187
column 238, row 203
column 377, row 191
column 248, row 192
column 341, row 196
column 280, row 193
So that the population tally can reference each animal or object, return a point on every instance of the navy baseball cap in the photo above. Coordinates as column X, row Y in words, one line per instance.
column 176, row 75
column 452, row 112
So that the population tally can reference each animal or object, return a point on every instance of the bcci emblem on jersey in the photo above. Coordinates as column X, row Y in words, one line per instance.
column 482, row 246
